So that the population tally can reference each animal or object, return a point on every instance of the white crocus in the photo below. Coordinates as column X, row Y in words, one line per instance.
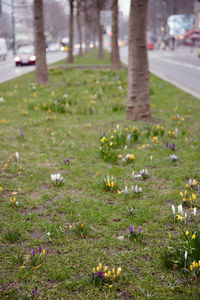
column 173, row 210
column 173, row 157
column 140, row 190
column 195, row 211
column 126, row 191
column 186, row 254
column 53, row 177
column 180, row 209
column 132, row 188
column 17, row 156
column 136, row 189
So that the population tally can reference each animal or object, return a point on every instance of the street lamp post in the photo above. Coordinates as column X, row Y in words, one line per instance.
column 13, row 25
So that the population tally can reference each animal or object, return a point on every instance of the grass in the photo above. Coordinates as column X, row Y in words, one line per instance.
column 66, row 119
column 90, row 58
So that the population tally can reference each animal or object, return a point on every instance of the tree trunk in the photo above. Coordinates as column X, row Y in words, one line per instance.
column 70, row 58
column 41, row 71
column 138, row 73
column 115, row 48
column 79, row 28
column 100, row 36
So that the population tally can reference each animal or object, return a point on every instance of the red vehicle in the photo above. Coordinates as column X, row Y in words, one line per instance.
column 25, row 56
column 150, row 46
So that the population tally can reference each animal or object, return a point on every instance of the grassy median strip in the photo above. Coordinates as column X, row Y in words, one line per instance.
column 55, row 230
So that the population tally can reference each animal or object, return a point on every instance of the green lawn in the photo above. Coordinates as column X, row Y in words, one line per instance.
column 68, row 118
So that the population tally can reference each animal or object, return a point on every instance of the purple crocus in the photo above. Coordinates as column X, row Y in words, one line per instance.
column 131, row 211
column 134, row 232
column 35, row 292
column 66, row 161
column 140, row 229
column 131, row 229
column 167, row 144
column 33, row 252
column 40, row 249
column 92, row 275
column 101, row 274
column 98, row 274
column 173, row 147
column 22, row 134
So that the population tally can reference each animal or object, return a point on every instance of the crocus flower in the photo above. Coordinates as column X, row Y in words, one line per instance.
column 131, row 229
column 33, row 252
column 92, row 275
column 126, row 191
column 180, row 209
column 134, row 232
column 17, row 156
column 140, row 229
column 195, row 211
column 186, row 253
column 131, row 211
column 40, row 249
column 173, row 210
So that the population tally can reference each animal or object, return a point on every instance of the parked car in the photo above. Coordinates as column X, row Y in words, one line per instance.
column 25, row 56
column 53, row 47
column 3, row 49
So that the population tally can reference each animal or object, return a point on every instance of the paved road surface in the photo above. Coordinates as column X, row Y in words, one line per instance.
column 8, row 70
column 180, row 67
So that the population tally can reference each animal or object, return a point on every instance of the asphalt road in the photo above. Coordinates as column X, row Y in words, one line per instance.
column 8, row 70
column 180, row 67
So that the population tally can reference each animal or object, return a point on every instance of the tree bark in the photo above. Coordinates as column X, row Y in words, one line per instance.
column 115, row 49
column 138, row 72
column 41, row 71
column 70, row 58
column 100, row 36
column 79, row 27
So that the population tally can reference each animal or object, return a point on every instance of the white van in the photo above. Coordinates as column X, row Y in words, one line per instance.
column 3, row 49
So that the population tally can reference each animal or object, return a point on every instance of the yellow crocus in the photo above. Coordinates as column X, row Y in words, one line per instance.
column 43, row 252
column 112, row 184
column 187, row 232
column 100, row 266
column 37, row 267
column 181, row 194
column 119, row 271
column 97, row 269
column 105, row 269
column 194, row 197
column 194, row 236
column 191, row 268
column 82, row 225
column 1, row 189
column 193, row 264
column 170, row 235
column 113, row 270
column 109, row 273
column 194, row 182
column 93, row 270
column 187, row 186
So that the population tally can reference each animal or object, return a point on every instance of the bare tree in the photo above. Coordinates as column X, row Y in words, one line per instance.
column 115, row 48
column 41, row 72
column 138, row 73
column 78, row 12
column 70, row 58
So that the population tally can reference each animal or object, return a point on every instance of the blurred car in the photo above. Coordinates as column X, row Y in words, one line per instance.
column 25, row 56
column 150, row 46
column 53, row 47
column 3, row 49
